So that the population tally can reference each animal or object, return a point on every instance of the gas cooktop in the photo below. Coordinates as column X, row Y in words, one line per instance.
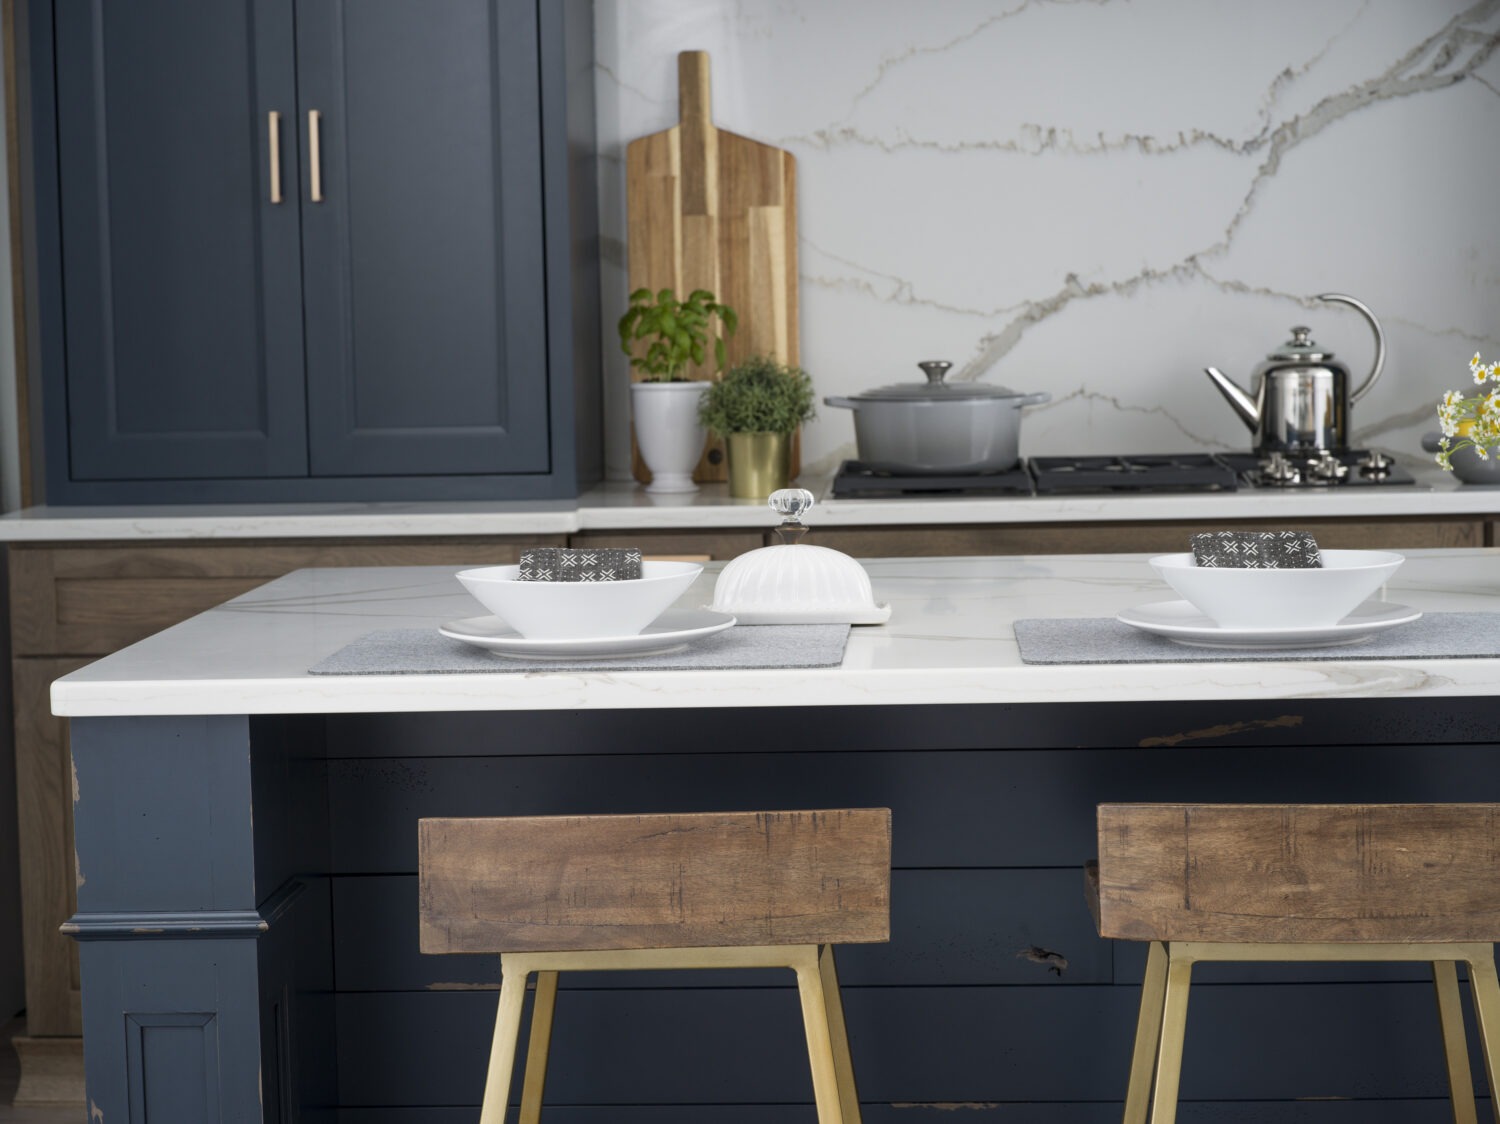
column 1149, row 474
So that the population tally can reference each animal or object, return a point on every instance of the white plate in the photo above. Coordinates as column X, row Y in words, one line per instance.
column 674, row 629
column 1182, row 622
column 873, row 614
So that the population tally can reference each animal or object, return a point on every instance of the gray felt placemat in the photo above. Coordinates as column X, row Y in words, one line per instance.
column 1106, row 640
column 424, row 651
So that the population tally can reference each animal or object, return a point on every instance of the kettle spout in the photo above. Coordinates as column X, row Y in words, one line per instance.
column 1243, row 404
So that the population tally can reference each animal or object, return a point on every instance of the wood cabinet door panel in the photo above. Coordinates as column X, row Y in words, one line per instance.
column 92, row 600
column 181, row 276
column 426, row 310
column 45, row 828
column 1105, row 538
column 719, row 546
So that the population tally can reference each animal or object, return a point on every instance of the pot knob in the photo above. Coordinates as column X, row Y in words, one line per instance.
column 934, row 369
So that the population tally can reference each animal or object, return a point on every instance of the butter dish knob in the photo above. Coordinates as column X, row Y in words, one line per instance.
column 790, row 503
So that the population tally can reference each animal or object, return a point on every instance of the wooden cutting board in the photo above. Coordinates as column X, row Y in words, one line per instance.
column 707, row 209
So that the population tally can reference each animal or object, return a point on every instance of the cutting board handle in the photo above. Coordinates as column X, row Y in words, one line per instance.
column 693, row 93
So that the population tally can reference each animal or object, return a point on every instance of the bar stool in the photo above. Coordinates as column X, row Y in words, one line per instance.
column 606, row 893
column 1269, row 882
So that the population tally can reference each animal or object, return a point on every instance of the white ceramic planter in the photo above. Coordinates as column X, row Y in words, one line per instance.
column 667, row 432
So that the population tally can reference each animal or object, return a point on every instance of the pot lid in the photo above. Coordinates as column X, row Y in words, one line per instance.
column 935, row 389
column 1300, row 349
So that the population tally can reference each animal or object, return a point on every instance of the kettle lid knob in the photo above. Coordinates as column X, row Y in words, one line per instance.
column 1300, row 349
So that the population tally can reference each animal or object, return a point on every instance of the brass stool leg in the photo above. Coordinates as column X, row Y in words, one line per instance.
column 535, row 1080
column 1486, row 989
column 1147, row 1035
column 1455, row 1047
column 1173, row 1027
column 838, row 1035
column 503, row 1049
column 819, row 1044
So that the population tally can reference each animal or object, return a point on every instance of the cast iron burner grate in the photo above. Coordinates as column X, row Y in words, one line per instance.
column 1182, row 472
column 858, row 481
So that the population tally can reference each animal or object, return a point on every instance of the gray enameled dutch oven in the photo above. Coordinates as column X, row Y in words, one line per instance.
column 938, row 426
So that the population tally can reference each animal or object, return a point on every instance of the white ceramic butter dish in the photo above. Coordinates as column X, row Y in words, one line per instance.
column 795, row 583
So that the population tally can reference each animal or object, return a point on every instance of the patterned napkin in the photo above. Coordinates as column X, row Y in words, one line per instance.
column 1257, row 550
column 565, row 564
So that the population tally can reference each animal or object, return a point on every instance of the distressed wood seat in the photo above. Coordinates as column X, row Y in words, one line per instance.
column 713, row 890
column 1267, row 882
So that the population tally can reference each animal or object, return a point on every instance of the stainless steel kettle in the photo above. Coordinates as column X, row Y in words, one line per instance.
column 1299, row 398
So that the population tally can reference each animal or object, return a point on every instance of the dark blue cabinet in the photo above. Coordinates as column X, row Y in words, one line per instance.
column 181, row 283
column 313, row 249
column 423, row 262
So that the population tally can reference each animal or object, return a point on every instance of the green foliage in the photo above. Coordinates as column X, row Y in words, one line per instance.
column 680, row 329
column 759, row 395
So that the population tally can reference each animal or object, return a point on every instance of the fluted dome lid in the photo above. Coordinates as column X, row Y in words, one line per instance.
column 795, row 583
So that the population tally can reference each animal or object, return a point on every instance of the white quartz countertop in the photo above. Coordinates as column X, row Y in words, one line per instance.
column 620, row 507
column 949, row 640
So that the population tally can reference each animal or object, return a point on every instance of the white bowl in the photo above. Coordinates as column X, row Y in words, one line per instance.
column 1242, row 598
column 580, row 610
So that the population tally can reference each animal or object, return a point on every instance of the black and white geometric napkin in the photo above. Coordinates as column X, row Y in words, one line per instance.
column 566, row 564
column 1257, row 550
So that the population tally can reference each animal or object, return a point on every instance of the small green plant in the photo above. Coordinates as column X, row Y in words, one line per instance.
column 680, row 328
column 758, row 395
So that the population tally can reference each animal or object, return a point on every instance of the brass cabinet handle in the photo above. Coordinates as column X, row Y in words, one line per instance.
column 315, row 155
column 273, row 124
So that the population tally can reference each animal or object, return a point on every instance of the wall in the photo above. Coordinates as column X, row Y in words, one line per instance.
column 1097, row 199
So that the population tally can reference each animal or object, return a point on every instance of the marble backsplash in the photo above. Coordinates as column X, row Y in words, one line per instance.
column 1096, row 198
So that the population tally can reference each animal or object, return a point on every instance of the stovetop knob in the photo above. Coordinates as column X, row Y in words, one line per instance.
column 1276, row 469
column 1329, row 468
column 1375, row 463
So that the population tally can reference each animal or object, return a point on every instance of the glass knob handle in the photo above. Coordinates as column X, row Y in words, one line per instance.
column 790, row 502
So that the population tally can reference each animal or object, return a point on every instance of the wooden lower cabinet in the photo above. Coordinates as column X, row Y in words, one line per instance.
column 719, row 546
column 950, row 540
column 73, row 603
column 51, row 1057
column 1126, row 538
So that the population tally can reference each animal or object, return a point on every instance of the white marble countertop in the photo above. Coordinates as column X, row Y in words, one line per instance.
column 949, row 640
column 621, row 506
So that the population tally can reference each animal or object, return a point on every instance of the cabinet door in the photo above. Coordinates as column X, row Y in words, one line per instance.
column 426, row 340
column 181, row 277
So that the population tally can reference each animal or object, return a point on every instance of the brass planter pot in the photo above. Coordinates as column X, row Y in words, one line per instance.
column 759, row 463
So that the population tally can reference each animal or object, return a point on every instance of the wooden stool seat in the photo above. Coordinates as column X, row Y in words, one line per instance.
column 1239, row 882
column 608, row 893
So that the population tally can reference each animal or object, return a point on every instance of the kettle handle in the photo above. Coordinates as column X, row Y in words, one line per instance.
column 1379, row 365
